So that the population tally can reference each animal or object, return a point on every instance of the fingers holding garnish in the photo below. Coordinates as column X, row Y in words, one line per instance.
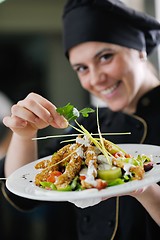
column 40, row 109
column 33, row 113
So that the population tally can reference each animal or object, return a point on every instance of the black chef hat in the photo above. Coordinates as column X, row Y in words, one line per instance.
column 108, row 21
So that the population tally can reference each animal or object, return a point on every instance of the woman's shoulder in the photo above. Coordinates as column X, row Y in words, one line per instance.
column 152, row 94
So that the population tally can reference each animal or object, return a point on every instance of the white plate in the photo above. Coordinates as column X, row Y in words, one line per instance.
column 21, row 182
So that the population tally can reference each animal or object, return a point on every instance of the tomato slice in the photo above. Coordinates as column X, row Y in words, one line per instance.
column 101, row 184
column 82, row 177
column 52, row 177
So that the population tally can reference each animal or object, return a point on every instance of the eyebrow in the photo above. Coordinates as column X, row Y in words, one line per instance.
column 96, row 55
column 101, row 51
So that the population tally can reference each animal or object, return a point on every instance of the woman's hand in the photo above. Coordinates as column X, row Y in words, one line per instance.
column 31, row 114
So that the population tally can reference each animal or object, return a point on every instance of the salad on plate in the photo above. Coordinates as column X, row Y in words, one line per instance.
column 89, row 161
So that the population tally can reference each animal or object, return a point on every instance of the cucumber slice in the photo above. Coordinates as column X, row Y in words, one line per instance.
column 110, row 174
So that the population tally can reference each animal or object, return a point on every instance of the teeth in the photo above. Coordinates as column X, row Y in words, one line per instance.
column 110, row 90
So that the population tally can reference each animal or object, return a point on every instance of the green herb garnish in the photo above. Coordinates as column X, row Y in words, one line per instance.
column 72, row 113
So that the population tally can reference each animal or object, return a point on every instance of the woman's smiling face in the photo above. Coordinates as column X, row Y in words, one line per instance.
column 111, row 72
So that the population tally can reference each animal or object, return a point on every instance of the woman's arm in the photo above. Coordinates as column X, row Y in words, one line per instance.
column 20, row 152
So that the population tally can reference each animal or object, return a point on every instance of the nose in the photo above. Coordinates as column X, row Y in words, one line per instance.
column 96, row 77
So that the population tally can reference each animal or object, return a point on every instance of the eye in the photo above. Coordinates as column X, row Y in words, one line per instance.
column 80, row 69
column 106, row 57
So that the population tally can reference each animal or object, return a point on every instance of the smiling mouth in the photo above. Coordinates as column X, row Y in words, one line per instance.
column 110, row 90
